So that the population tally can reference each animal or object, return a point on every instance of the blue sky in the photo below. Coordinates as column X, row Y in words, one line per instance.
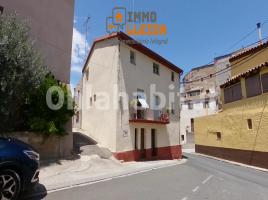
column 197, row 31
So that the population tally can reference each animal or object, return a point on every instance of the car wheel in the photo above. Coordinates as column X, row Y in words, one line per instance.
column 9, row 185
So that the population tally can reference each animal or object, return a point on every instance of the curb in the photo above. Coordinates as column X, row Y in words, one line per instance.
column 232, row 162
column 107, row 177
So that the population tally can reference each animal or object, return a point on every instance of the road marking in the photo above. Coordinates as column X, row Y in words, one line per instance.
column 78, row 185
column 184, row 198
column 134, row 173
column 196, row 188
column 207, row 179
column 114, row 177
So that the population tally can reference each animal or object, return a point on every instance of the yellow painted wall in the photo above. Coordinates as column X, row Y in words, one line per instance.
column 247, row 62
column 232, row 123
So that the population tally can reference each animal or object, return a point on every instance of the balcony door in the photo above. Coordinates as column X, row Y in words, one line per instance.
column 140, row 109
column 156, row 103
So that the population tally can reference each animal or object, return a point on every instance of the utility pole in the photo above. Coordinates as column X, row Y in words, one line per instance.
column 259, row 32
column 86, row 25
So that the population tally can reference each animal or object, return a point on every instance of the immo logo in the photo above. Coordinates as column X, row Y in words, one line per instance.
column 135, row 23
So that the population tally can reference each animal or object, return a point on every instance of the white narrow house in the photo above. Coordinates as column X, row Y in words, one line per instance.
column 123, row 87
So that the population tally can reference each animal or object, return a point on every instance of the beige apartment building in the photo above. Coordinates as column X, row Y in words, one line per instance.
column 200, row 95
column 131, row 126
column 51, row 24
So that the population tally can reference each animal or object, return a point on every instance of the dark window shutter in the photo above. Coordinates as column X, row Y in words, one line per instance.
column 227, row 95
column 232, row 93
column 1, row 9
column 236, row 92
column 253, row 86
column 264, row 82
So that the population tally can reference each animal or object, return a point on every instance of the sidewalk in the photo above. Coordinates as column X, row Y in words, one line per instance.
column 92, row 163
column 92, row 168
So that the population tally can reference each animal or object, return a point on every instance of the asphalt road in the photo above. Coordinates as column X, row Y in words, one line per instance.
column 200, row 178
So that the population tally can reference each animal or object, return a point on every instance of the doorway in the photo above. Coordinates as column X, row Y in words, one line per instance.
column 142, row 150
column 153, row 142
column 192, row 125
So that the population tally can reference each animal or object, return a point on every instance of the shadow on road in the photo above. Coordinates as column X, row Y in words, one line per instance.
column 38, row 192
column 84, row 145
column 80, row 140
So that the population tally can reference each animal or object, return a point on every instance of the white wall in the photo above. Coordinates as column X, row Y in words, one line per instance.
column 102, row 66
column 197, row 111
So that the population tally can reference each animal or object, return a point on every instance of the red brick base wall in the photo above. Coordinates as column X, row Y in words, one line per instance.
column 256, row 158
column 162, row 153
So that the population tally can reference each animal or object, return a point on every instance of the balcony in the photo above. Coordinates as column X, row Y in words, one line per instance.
column 149, row 116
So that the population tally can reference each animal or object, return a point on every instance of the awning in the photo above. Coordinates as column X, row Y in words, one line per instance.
column 143, row 103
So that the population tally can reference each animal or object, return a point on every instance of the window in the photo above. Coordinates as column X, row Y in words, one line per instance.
column 136, row 139
column 207, row 91
column 190, row 105
column 192, row 125
column 167, row 111
column 172, row 108
column 157, row 100
column 249, row 121
column 218, row 135
column 140, row 94
column 156, row 68
column 95, row 97
column 253, row 85
column 87, row 74
column 132, row 57
column 182, row 138
column 77, row 117
column 1, row 9
column 172, row 76
column 90, row 100
column 264, row 82
column 194, row 93
column 232, row 93
column 206, row 103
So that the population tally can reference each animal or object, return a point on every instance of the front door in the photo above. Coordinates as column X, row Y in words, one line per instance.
column 153, row 142
column 142, row 150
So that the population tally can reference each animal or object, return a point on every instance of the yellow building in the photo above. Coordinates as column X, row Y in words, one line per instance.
column 240, row 131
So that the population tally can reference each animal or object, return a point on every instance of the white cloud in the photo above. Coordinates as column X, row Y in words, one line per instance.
column 77, row 69
column 80, row 48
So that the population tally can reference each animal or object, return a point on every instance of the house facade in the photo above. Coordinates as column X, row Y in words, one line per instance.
column 239, row 132
column 123, row 87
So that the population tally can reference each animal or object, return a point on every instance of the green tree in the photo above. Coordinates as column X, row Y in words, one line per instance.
column 22, row 70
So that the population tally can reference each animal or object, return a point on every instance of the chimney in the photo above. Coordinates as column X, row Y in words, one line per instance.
column 259, row 32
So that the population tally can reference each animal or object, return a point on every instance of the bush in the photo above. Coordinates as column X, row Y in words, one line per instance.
column 44, row 119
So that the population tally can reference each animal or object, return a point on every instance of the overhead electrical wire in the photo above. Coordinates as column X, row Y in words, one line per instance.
column 228, row 67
